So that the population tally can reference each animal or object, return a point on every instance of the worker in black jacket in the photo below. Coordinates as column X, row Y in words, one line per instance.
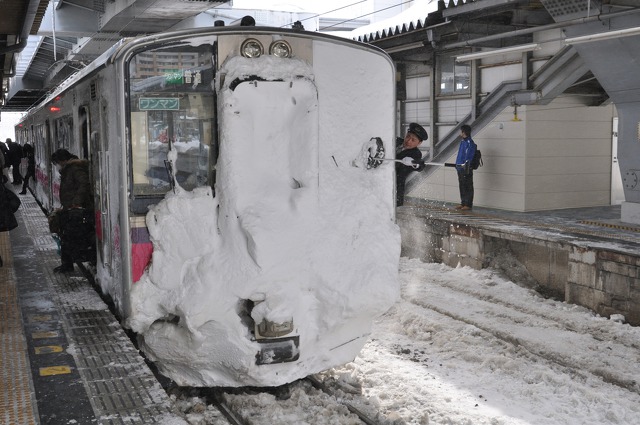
column 407, row 151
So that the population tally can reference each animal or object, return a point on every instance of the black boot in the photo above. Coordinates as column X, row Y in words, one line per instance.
column 63, row 268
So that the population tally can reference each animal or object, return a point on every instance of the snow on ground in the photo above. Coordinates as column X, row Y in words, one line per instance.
column 469, row 347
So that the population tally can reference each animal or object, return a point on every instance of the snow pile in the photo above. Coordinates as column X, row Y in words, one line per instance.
column 466, row 346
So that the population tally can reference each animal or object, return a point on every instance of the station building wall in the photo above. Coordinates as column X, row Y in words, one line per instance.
column 544, row 157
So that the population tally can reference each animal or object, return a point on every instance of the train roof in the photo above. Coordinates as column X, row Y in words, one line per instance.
column 126, row 46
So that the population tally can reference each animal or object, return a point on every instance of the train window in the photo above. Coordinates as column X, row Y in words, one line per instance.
column 172, row 107
column 64, row 132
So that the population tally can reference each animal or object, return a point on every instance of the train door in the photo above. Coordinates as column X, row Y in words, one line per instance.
column 50, row 168
column 171, row 108
column 85, row 133
column 42, row 178
column 101, row 176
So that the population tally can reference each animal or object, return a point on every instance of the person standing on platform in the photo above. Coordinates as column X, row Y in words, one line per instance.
column 9, row 204
column 4, row 158
column 466, row 151
column 407, row 151
column 28, row 152
column 77, row 221
column 3, row 161
column 15, row 157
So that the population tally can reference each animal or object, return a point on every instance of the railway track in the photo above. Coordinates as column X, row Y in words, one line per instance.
column 509, row 320
column 306, row 401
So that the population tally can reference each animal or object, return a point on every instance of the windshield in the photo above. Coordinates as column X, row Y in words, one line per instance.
column 172, row 107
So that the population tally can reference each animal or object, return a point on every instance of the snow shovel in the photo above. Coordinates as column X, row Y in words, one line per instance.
column 445, row 164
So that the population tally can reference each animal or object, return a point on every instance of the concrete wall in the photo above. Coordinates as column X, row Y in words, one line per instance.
column 568, row 155
column 606, row 280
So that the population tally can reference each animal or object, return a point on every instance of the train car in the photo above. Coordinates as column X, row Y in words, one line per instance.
column 242, row 230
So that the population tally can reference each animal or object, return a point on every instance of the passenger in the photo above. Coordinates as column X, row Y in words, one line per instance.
column 407, row 151
column 9, row 204
column 27, row 149
column 466, row 151
column 76, row 218
column 4, row 156
column 15, row 157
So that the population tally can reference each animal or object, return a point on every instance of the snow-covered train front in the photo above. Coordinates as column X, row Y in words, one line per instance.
column 239, row 231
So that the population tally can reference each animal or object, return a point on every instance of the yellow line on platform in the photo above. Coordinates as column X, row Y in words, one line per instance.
column 43, row 335
column 55, row 370
column 48, row 349
column 16, row 399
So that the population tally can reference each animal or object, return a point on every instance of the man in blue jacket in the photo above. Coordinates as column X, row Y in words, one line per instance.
column 466, row 151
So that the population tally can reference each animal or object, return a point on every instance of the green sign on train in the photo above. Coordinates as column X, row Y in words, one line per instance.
column 159, row 103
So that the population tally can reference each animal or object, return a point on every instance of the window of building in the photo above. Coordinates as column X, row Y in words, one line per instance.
column 454, row 77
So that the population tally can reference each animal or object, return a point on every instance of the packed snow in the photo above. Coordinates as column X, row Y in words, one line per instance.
column 468, row 347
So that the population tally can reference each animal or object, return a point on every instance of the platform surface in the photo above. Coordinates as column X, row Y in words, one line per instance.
column 65, row 358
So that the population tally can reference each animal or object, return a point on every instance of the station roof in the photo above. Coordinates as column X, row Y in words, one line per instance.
column 19, row 19
column 66, row 35
column 87, row 28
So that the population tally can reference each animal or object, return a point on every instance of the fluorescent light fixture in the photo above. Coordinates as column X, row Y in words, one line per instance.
column 488, row 53
column 603, row 36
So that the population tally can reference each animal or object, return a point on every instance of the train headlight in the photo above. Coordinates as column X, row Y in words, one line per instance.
column 280, row 48
column 251, row 48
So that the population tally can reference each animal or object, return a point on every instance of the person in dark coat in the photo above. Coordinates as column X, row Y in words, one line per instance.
column 77, row 221
column 9, row 204
column 407, row 151
column 15, row 157
column 28, row 152
column 4, row 160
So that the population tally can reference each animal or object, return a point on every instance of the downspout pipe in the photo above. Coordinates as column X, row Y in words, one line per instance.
column 30, row 16
column 14, row 48
column 31, row 10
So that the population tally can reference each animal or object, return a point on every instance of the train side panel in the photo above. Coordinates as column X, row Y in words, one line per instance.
column 109, row 161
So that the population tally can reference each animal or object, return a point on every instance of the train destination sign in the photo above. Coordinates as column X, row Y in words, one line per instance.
column 159, row 103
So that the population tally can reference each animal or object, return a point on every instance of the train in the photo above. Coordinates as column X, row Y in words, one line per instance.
column 242, row 232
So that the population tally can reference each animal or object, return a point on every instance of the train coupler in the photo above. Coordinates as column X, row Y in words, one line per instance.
column 278, row 350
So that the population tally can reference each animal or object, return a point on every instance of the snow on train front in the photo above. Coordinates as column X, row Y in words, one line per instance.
column 278, row 271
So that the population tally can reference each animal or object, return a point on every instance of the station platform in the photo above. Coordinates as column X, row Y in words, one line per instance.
column 598, row 223
column 584, row 256
column 65, row 359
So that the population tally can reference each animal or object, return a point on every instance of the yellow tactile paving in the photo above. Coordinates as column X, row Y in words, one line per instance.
column 44, row 335
column 40, row 318
column 16, row 398
column 48, row 349
column 54, row 370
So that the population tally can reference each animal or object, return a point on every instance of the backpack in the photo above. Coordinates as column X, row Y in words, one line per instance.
column 476, row 162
